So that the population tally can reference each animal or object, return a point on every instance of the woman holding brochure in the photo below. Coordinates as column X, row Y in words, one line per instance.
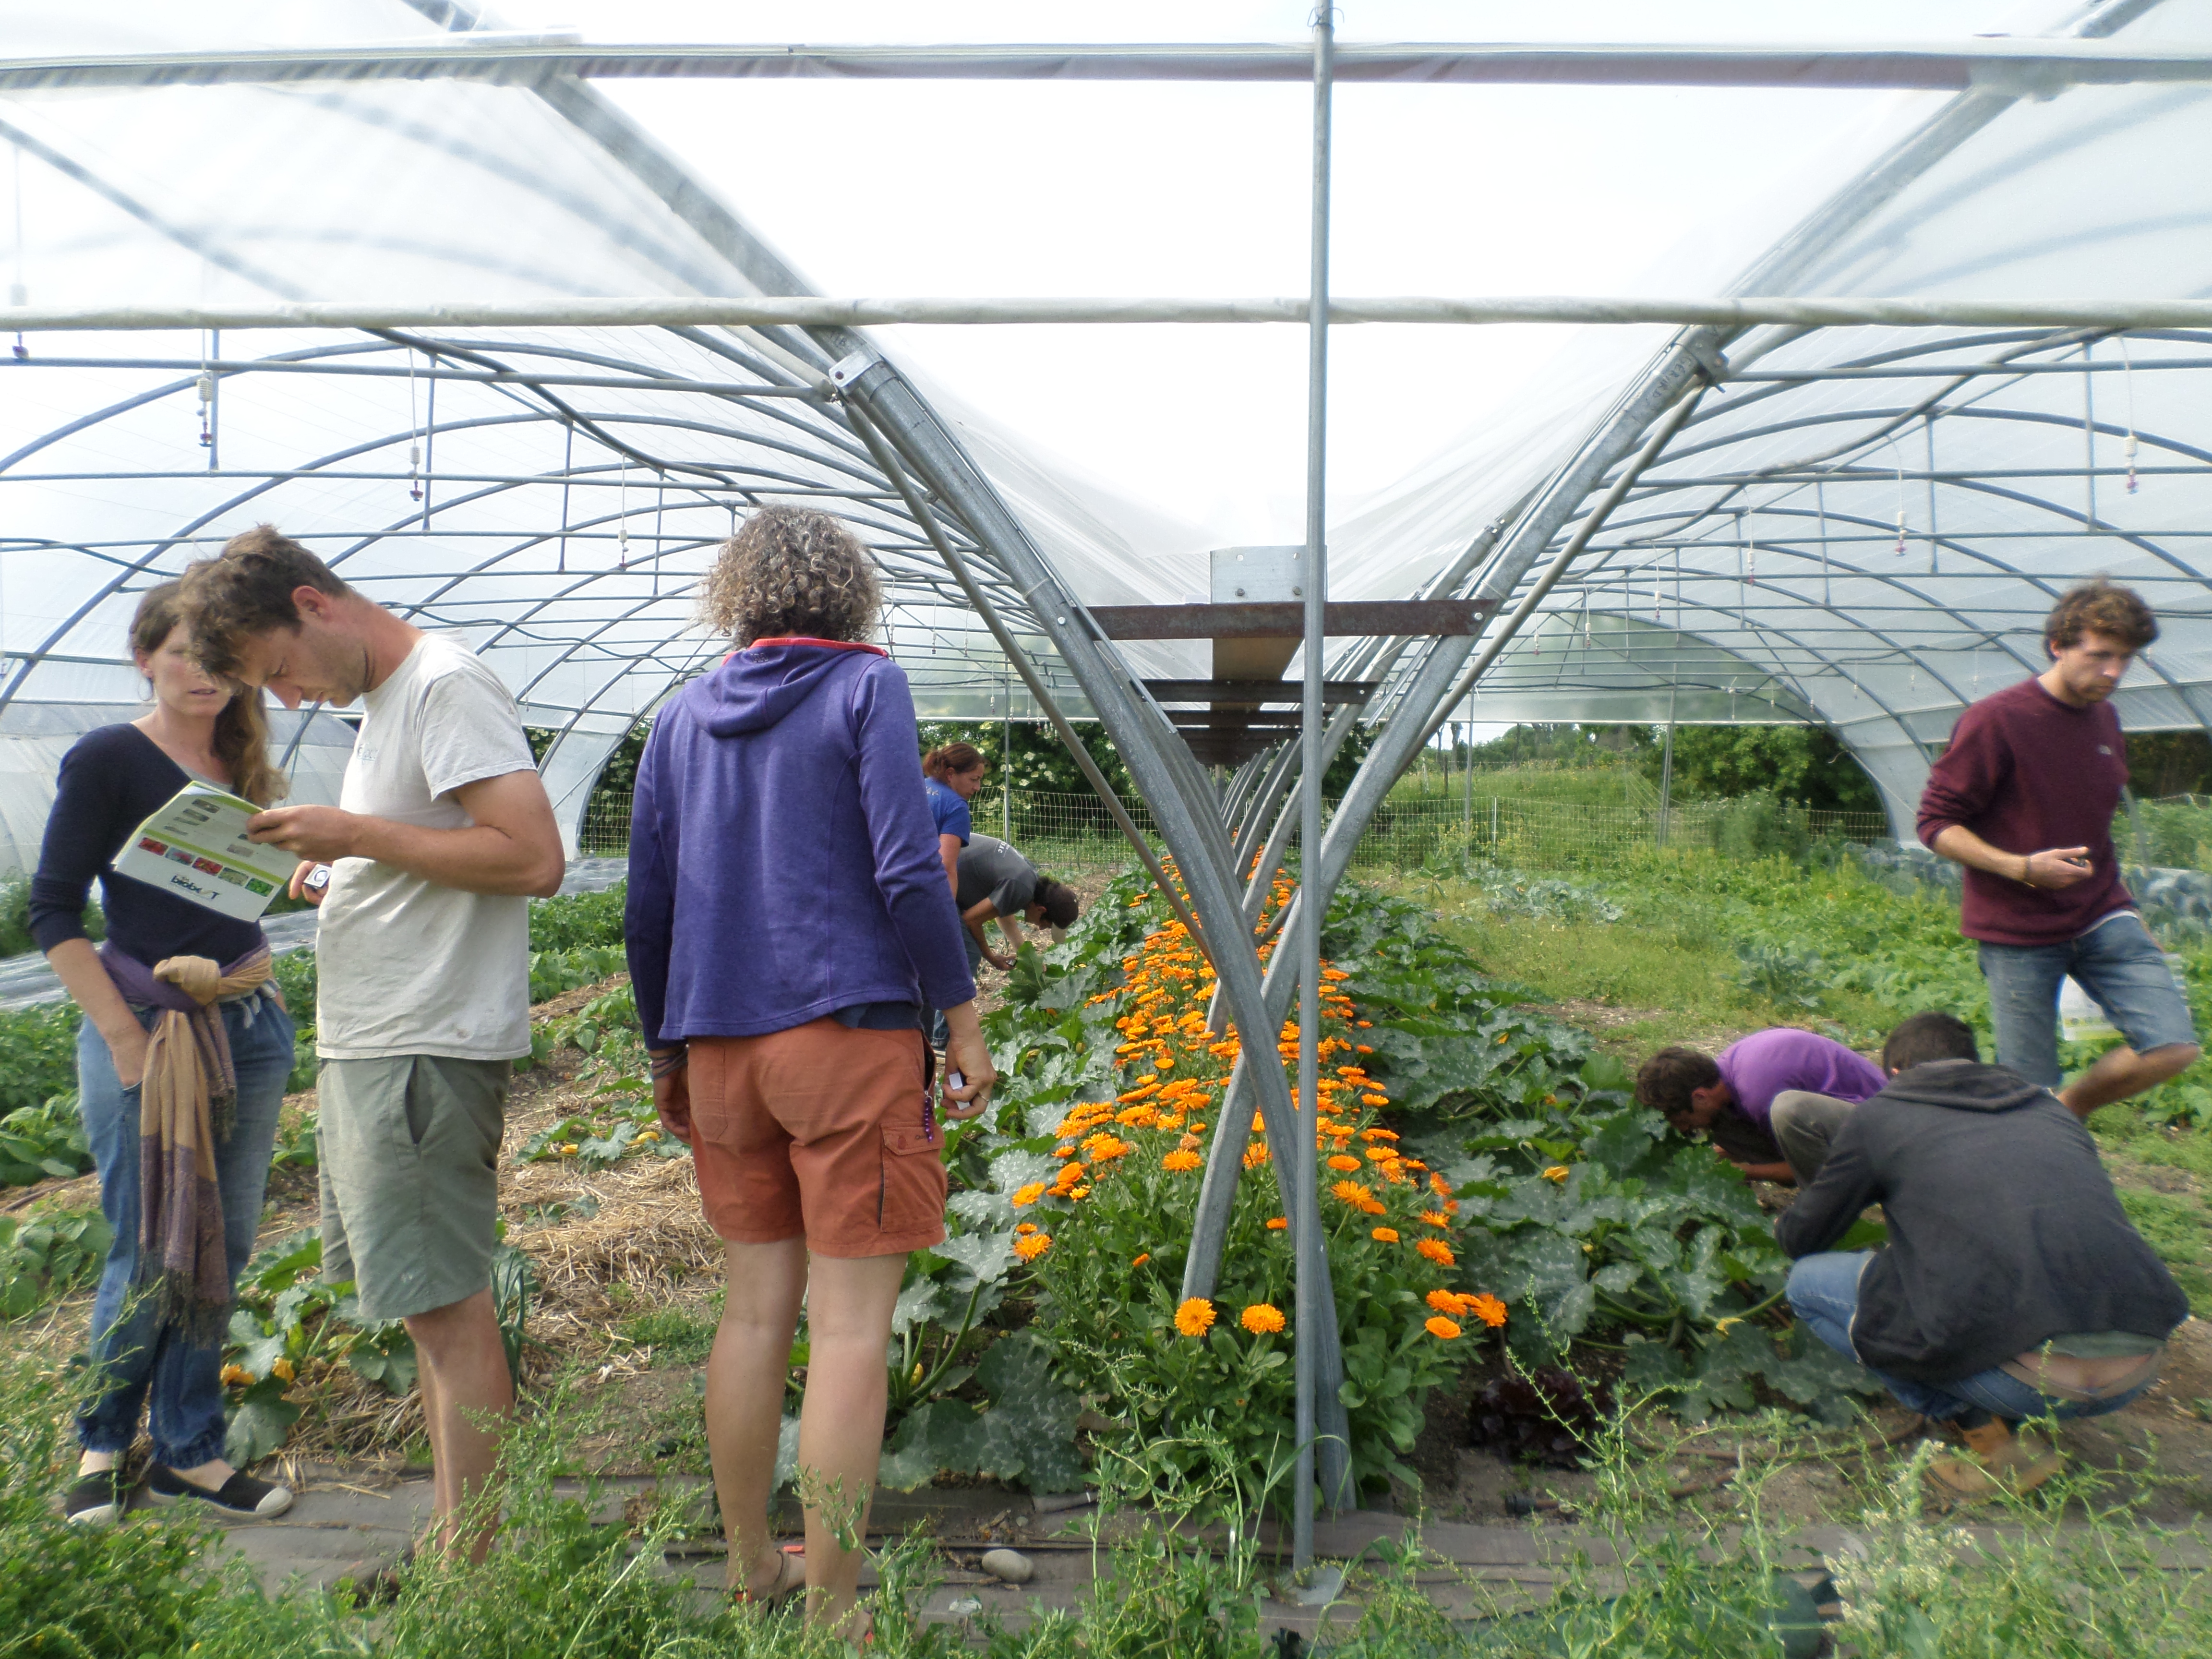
column 182, row 1059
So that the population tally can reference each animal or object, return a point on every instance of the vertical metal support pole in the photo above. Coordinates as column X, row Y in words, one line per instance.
column 1006, row 780
column 1306, row 1222
column 1666, row 772
column 215, row 403
column 1466, row 777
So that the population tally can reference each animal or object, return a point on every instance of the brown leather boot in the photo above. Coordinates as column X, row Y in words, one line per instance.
column 1997, row 1461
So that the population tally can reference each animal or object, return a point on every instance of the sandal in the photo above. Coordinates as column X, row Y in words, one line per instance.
column 790, row 1580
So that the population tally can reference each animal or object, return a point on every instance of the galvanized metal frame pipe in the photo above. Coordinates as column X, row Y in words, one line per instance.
column 958, row 563
column 1305, row 1218
column 2037, row 65
column 816, row 312
column 1187, row 817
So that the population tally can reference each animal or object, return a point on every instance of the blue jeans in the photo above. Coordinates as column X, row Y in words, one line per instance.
column 933, row 1019
column 139, row 1363
column 1824, row 1290
column 2118, row 962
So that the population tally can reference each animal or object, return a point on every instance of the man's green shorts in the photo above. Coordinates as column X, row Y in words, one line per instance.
column 409, row 1153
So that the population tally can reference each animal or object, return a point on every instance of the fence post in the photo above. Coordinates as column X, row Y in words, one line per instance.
column 1493, row 823
column 1466, row 779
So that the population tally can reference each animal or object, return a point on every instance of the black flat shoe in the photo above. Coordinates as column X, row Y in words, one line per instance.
column 97, row 1499
column 240, row 1495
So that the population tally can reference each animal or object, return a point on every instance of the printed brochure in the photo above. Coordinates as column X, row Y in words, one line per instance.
column 195, row 846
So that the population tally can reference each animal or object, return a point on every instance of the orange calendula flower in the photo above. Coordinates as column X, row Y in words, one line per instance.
column 1449, row 1302
column 1256, row 1154
column 1558, row 1172
column 1105, row 1148
column 1350, row 1192
column 1363, row 1024
column 1384, row 1234
column 1278, row 1224
column 1027, row 1196
column 1436, row 1251
column 1375, row 1100
column 1026, row 1227
column 1442, row 1328
column 1263, row 1319
column 1180, row 1162
column 1439, row 1185
column 1435, row 1217
column 1343, row 1162
column 1078, row 1194
column 1034, row 1246
column 1195, row 1317
column 1140, row 1260
column 1488, row 1308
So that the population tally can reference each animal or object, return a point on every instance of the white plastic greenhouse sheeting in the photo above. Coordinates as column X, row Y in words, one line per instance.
column 1752, row 573
column 1878, row 547
column 33, row 738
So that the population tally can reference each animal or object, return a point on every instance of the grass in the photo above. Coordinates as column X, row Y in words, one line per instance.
column 1591, row 786
column 1640, row 1576
column 1707, row 948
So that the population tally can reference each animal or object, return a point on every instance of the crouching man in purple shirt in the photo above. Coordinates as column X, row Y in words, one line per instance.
column 1771, row 1103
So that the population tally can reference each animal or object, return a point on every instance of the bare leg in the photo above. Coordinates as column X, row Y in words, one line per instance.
column 2121, row 1073
column 841, row 1431
column 465, row 1386
column 744, row 1398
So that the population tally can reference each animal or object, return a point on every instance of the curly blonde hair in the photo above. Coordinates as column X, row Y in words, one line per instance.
column 790, row 570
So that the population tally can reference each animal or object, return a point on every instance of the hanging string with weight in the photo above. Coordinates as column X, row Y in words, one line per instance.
column 2128, row 384
column 568, row 469
column 414, row 435
column 206, row 387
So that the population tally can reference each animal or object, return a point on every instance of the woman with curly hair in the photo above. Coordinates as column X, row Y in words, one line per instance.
column 778, row 800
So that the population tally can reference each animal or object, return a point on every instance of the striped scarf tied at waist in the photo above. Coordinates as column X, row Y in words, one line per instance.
column 188, row 1099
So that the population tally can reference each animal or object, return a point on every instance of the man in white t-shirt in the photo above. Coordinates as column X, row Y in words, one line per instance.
column 443, row 835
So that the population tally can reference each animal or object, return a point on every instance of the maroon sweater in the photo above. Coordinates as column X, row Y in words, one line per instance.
column 2025, row 772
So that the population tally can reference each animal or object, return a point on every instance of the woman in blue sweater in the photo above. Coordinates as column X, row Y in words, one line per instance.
column 788, row 917
column 181, row 1062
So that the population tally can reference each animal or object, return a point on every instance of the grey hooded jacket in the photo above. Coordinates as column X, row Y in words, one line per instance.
column 2003, row 1228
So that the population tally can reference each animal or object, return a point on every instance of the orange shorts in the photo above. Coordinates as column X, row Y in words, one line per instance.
column 820, row 1130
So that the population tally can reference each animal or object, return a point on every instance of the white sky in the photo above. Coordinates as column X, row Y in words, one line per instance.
column 1128, row 188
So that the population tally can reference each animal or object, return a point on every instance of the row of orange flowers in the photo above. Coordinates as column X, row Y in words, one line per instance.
column 1175, row 1067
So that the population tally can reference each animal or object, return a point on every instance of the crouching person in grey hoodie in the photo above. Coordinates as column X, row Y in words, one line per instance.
column 2013, row 1285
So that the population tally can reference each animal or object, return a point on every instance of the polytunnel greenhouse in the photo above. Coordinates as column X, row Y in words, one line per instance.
column 1859, row 525
column 417, row 290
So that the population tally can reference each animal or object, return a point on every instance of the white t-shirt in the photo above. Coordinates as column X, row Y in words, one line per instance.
column 404, row 966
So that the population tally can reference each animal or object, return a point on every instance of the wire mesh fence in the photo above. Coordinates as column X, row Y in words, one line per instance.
column 1067, row 835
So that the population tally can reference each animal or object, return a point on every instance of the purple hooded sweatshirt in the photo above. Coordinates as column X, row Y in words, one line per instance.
column 783, row 863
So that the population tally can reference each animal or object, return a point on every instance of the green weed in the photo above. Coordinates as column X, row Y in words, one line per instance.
column 45, row 1141
column 47, row 1253
column 2178, row 1227
column 678, row 1336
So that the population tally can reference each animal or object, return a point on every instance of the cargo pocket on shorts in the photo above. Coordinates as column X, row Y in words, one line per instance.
column 911, row 1194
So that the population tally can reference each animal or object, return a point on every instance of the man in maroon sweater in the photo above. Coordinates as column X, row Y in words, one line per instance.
column 2024, row 798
